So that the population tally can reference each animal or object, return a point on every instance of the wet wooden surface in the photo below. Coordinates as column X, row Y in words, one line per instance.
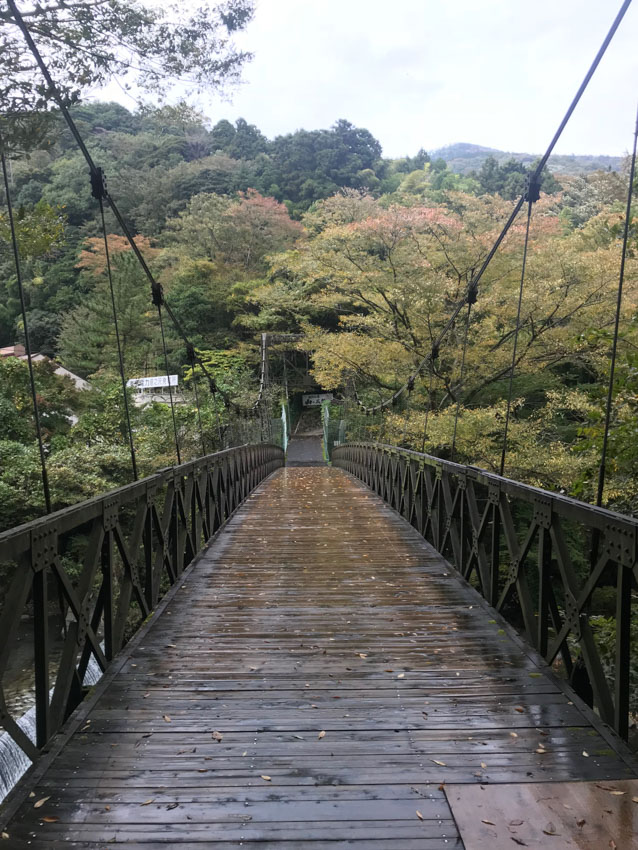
column 563, row 816
column 317, row 681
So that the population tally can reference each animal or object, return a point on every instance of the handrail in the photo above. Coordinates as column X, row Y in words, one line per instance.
column 529, row 552
column 94, row 571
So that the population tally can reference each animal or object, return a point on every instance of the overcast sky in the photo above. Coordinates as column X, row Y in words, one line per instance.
column 426, row 73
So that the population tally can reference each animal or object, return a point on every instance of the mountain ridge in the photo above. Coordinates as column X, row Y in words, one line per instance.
column 463, row 157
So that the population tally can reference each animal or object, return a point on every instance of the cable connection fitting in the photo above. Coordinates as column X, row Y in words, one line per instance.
column 472, row 293
column 434, row 354
column 410, row 384
column 212, row 386
column 157, row 295
column 190, row 352
column 98, row 184
column 533, row 192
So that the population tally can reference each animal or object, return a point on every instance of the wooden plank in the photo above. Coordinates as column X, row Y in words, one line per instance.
column 316, row 610
column 565, row 816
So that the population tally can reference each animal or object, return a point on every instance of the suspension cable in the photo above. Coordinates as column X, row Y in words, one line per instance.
column 119, row 343
column 27, row 341
column 157, row 300
column 533, row 195
column 462, row 375
column 602, row 469
column 535, row 179
column 191, row 357
column 427, row 410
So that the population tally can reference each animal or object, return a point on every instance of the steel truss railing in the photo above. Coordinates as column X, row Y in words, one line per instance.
column 534, row 555
column 89, row 575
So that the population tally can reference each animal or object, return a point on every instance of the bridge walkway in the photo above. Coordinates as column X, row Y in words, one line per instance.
column 319, row 679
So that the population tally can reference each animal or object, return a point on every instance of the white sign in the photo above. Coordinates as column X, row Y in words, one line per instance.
column 152, row 383
column 315, row 399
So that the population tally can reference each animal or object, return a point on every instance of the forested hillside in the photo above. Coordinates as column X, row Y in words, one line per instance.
column 313, row 232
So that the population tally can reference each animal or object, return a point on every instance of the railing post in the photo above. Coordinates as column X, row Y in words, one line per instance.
column 623, row 651
column 41, row 655
column 107, row 585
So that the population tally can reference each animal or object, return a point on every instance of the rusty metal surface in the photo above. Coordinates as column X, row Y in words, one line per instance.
column 317, row 680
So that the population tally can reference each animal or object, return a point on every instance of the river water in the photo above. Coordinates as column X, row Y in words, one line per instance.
column 19, row 694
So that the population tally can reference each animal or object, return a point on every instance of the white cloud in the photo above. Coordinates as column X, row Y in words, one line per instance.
column 431, row 72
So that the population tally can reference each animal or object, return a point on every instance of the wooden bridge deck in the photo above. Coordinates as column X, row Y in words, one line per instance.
column 317, row 681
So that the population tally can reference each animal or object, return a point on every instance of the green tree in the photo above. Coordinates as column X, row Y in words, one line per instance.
column 85, row 44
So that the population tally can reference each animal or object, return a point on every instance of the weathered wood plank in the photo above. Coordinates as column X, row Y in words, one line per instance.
column 317, row 610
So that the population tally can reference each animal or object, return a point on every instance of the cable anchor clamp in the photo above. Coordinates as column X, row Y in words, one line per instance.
column 157, row 294
column 98, row 184
column 533, row 191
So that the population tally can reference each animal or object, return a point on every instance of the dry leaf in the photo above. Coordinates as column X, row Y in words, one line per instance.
column 218, row 736
column 107, row 808
column 51, row 819
column 5, row 836
column 41, row 802
column 517, row 822
column 363, row 655
column 489, row 822
column 518, row 841
column 441, row 763
column 634, row 799
column 549, row 829
column 618, row 793
column 401, row 676
column 483, row 765
column 581, row 823
column 148, row 802
column 419, row 815
column 519, row 708
column 612, row 844
column 267, row 778
column 585, row 753
column 167, row 719
column 321, row 735
column 513, row 735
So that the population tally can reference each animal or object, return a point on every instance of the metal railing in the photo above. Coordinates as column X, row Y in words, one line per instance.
column 83, row 579
column 537, row 557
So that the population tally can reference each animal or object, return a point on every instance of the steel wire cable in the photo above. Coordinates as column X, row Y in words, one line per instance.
column 27, row 341
column 516, row 334
column 118, row 342
column 614, row 350
column 535, row 178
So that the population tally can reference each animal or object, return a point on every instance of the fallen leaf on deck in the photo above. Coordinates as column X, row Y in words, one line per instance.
column 267, row 778
column 581, row 823
column 419, row 815
column 634, row 799
column 441, row 763
column 167, row 719
column 618, row 793
column 519, row 708
column 148, row 802
column 51, row 819
column 518, row 841
column 41, row 802
column 549, row 829
column 218, row 736
column 321, row 735
column 483, row 765
column 585, row 753
column 488, row 822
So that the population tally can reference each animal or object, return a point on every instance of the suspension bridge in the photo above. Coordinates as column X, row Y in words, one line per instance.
column 338, row 646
